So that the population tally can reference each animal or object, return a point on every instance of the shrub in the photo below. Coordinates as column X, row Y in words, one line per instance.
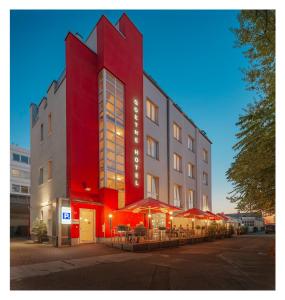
column 40, row 230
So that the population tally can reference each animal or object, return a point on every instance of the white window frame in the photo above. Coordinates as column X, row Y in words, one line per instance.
column 152, row 111
column 190, row 170
column 190, row 145
column 205, row 203
column 190, row 199
column 177, row 162
column 205, row 178
column 205, row 155
column 152, row 186
column 177, row 132
column 152, row 147
column 177, row 195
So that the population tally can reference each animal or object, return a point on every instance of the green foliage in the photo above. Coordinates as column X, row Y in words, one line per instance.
column 253, row 170
column 40, row 230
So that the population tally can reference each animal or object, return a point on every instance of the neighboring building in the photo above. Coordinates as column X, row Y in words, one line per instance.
column 253, row 221
column 106, row 135
column 19, row 191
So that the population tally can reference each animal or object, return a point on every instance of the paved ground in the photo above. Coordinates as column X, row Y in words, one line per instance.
column 240, row 263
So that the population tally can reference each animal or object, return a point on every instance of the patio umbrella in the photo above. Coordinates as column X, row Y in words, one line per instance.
column 149, row 205
column 212, row 216
column 192, row 213
column 223, row 216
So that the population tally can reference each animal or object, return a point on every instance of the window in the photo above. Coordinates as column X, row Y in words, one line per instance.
column 190, row 198
column 205, row 155
column 25, row 159
column 205, row 178
column 111, row 133
column 24, row 189
column 49, row 169
column 205, row 202
column 177, row 195
column 152, row 111
column 190, row 143
column 15, row 188
column 49, row 124
column 190, row 170
column 41, row 176
column 16, row 157
column 16, row 172
column 152, row 147
column 42, row 132
column 177, row 162
column 177, row 132
column 152, row 184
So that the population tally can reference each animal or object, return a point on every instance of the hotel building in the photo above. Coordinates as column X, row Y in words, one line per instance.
column 106, row 135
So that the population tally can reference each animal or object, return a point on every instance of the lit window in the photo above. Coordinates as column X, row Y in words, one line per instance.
column 190, row 170
column 24, row 189
column 41, row 176
column 177, row 132
column 152, row 186
column 42, row 132
column 16, row 172
column 152, row 147
column 177, row 162
column 151, row 111
column 177, row 195
column 205, row 155
column 49, row 124
column 49, row 169
column 190, row 198
column 205, row 202
column 190, row 143
column 205, row 178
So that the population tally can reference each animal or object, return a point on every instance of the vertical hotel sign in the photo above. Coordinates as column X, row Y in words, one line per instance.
column 136, row 142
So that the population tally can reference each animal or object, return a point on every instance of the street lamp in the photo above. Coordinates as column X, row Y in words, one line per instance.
column 193, row 223
column 149, row 217
column 110, row 223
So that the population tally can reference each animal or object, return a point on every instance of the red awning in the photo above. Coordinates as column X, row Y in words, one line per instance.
column 193, row 213
column 149, row 205
column 213, row 216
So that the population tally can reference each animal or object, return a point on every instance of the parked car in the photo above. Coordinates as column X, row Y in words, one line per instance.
column 270, row 228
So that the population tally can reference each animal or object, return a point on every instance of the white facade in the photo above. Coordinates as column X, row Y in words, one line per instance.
column 181, row 165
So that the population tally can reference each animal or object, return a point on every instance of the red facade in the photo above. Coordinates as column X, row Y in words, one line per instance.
column 121, row 54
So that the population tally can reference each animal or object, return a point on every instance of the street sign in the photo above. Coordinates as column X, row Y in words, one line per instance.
column 65, row 215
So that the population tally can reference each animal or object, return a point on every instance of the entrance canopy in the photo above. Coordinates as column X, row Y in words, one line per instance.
column 149, row 205
column 193, row 213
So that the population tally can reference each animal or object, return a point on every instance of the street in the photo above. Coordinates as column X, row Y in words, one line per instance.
column 245, row 262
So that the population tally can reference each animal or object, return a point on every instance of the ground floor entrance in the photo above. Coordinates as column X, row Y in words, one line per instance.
column 87, row 225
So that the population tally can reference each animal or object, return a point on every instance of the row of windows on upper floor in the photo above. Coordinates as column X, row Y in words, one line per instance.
column 152, row 114
column 152, row 191
column 153, row 151
column 20, row 173
column 21, row 158
column 16, row 188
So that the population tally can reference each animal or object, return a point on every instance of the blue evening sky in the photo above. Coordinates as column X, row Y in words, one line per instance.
column 189, row 53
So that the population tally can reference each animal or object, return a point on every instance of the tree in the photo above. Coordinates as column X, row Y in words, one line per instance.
column 39, row 230
column 253, row 170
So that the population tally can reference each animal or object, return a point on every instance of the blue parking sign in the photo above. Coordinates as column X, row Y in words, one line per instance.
column 65, row 215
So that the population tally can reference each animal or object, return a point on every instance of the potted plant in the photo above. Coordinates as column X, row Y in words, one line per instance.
column 39, row 231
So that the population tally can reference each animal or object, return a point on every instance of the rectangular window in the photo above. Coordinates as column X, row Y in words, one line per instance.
column 25, row 159
column 190, row 198
column 152, row 111
column 177, row 132
column 205, row 155
column 177, row 192
column 205, row 202
column 41, row 176
column 49, row 169
column 15, row 188
column 177, row 162
column 152, row 147
column 42, row 132
column 111, row 133
column 24, row 189
column 49, row 124
column 152, row 184
column 190, row 143
column 190, row 170
column 16, row 172
column 205, row 178
column 16, row 157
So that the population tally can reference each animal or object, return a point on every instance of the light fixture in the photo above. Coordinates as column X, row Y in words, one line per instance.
column 193, row 219
column 87, row 189
column 171, row 212
column 110, row 216
column 171, row 218
column 149, row 215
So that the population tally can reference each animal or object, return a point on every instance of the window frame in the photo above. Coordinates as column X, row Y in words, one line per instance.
column 179, row 131
column 192, row 168
column 156, row 111
column 175, row 162
column 156, row 157
column 150, row 194
column 205, row 157
column 179, row 189
column 189, row 137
